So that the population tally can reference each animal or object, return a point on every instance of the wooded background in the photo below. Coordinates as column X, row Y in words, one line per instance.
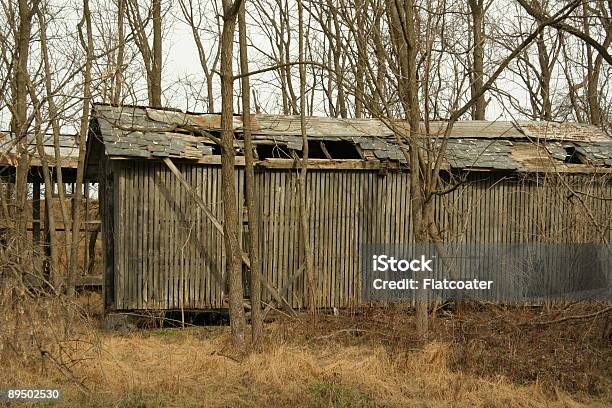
column 413, row 60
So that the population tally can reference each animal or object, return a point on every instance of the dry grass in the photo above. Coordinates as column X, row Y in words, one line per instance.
column 198, row 367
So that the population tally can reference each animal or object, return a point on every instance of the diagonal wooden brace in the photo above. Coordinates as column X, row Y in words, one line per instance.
column 273, row 291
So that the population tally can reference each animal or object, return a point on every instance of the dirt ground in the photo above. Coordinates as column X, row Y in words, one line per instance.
column 487, row 356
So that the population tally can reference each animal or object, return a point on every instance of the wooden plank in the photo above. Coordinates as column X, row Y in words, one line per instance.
column 109, row 206
column 265, row 227
column 345, row 231
column 129, row 207
column 181, row 243
column 157, row 237
column 300, row 287
column 203, row 258
column 120, row 224
column 352, row 252
column 215, row 247
column 140, row 233
column 327, row 240
column 321, row 249
column 280, row 202
column 202, row 237
column 116, row 227
column 164, row 219
column 293, row 264
column 335, row 234
column 214, row 188
column 345, row 251
column 172, row 264
column 336, row 240
column 190, row 241
column 181, row 179
column 319, row 254
column 291, row 236
column 195, row 259
column 276, row 227
column 146, row 224
column 284, row 231
column 132, row 238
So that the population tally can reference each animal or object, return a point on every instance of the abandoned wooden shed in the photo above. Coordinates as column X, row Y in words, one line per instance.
column 61, row 153
column 521, row 182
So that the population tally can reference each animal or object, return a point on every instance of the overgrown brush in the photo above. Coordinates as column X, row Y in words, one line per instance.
column 43, row 333
column 50, row 340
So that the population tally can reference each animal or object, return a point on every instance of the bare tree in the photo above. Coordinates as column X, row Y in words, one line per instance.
column 303, row 178
column 230, row 212
column 477, row 11
column 20, row 121
column 54, row 119
column 151, row 53
column 117, row 81
column 40, row 131
column 251, row 193
column 196, row 17
column 86, row 39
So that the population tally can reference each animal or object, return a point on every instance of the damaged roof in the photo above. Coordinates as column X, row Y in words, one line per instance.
column 142, row 132
column 68, row 150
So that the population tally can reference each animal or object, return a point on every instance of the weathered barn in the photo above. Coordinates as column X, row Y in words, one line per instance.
column 543, row 182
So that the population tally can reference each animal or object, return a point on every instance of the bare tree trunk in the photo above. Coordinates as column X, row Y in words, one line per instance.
column 305, row 218
column 151, row 54
column 592, row 72
column 54, row 268
column 87, row 44
column 478, row 33
column 402, row 18
column 379, row 50
column 256, row 314
column 19, row 121
column 118, row 77
column 156, row 73
column 230, row 211
column 545, row 77
column 55, row 128
column 361, row 61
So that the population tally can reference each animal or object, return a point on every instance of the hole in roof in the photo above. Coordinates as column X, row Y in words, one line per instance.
column 315, row 151
column 331, row 149
column 266, row 151
column 572, row 156
column 342, row 149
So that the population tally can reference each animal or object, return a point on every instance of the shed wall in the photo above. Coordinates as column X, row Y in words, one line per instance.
column 168, row 255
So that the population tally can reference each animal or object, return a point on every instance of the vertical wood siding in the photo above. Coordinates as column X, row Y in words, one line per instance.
column 167, row 253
